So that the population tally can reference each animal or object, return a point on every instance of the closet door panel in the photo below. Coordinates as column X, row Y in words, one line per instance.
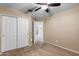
column 23, row 32
column 8, row 41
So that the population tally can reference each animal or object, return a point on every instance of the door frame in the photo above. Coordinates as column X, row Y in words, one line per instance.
column 35, row 30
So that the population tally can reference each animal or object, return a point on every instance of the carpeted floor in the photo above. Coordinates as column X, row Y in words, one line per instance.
column 42, row 50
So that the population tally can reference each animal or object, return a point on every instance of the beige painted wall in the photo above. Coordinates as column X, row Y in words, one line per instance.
column 63, row 29
column 17, row 13
column 10, row 11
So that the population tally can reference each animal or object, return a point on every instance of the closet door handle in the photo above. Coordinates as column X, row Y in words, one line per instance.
column 37, row 32
column 27, row 33
column 3, row 35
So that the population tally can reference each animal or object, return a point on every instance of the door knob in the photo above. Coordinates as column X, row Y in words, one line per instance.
column 3, row 35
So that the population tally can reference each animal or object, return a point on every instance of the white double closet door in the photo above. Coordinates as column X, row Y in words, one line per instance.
column 14, row 33
column 23, row 32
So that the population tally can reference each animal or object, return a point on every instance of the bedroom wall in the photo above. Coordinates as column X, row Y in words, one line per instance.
column 62, row 29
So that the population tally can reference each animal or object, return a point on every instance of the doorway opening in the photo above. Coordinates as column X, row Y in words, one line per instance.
column 38, row 32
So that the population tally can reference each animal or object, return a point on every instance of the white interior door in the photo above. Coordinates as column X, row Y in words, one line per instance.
column 8, row 41
column 38, row 31
column 23, row 32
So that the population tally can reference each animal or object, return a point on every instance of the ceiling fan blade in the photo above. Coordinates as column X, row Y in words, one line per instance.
column 37, row 9
column 30, row 10
column 41, row 3
column 54, row 4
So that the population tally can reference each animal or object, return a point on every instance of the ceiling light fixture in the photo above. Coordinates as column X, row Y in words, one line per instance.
column 44, row 6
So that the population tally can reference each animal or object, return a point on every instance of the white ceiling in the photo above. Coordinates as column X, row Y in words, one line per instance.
column 40, row 14
column 64, row 6
column 20, row 6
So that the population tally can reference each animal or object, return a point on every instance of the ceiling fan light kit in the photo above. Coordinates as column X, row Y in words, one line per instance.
column 44, row 6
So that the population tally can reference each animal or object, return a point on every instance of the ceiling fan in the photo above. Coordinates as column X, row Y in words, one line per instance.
column 45, row 4
column 49, row 5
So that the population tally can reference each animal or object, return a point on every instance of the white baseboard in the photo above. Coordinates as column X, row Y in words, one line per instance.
column 63, row 47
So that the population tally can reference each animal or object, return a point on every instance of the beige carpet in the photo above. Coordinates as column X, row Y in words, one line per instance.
column 42, row 50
